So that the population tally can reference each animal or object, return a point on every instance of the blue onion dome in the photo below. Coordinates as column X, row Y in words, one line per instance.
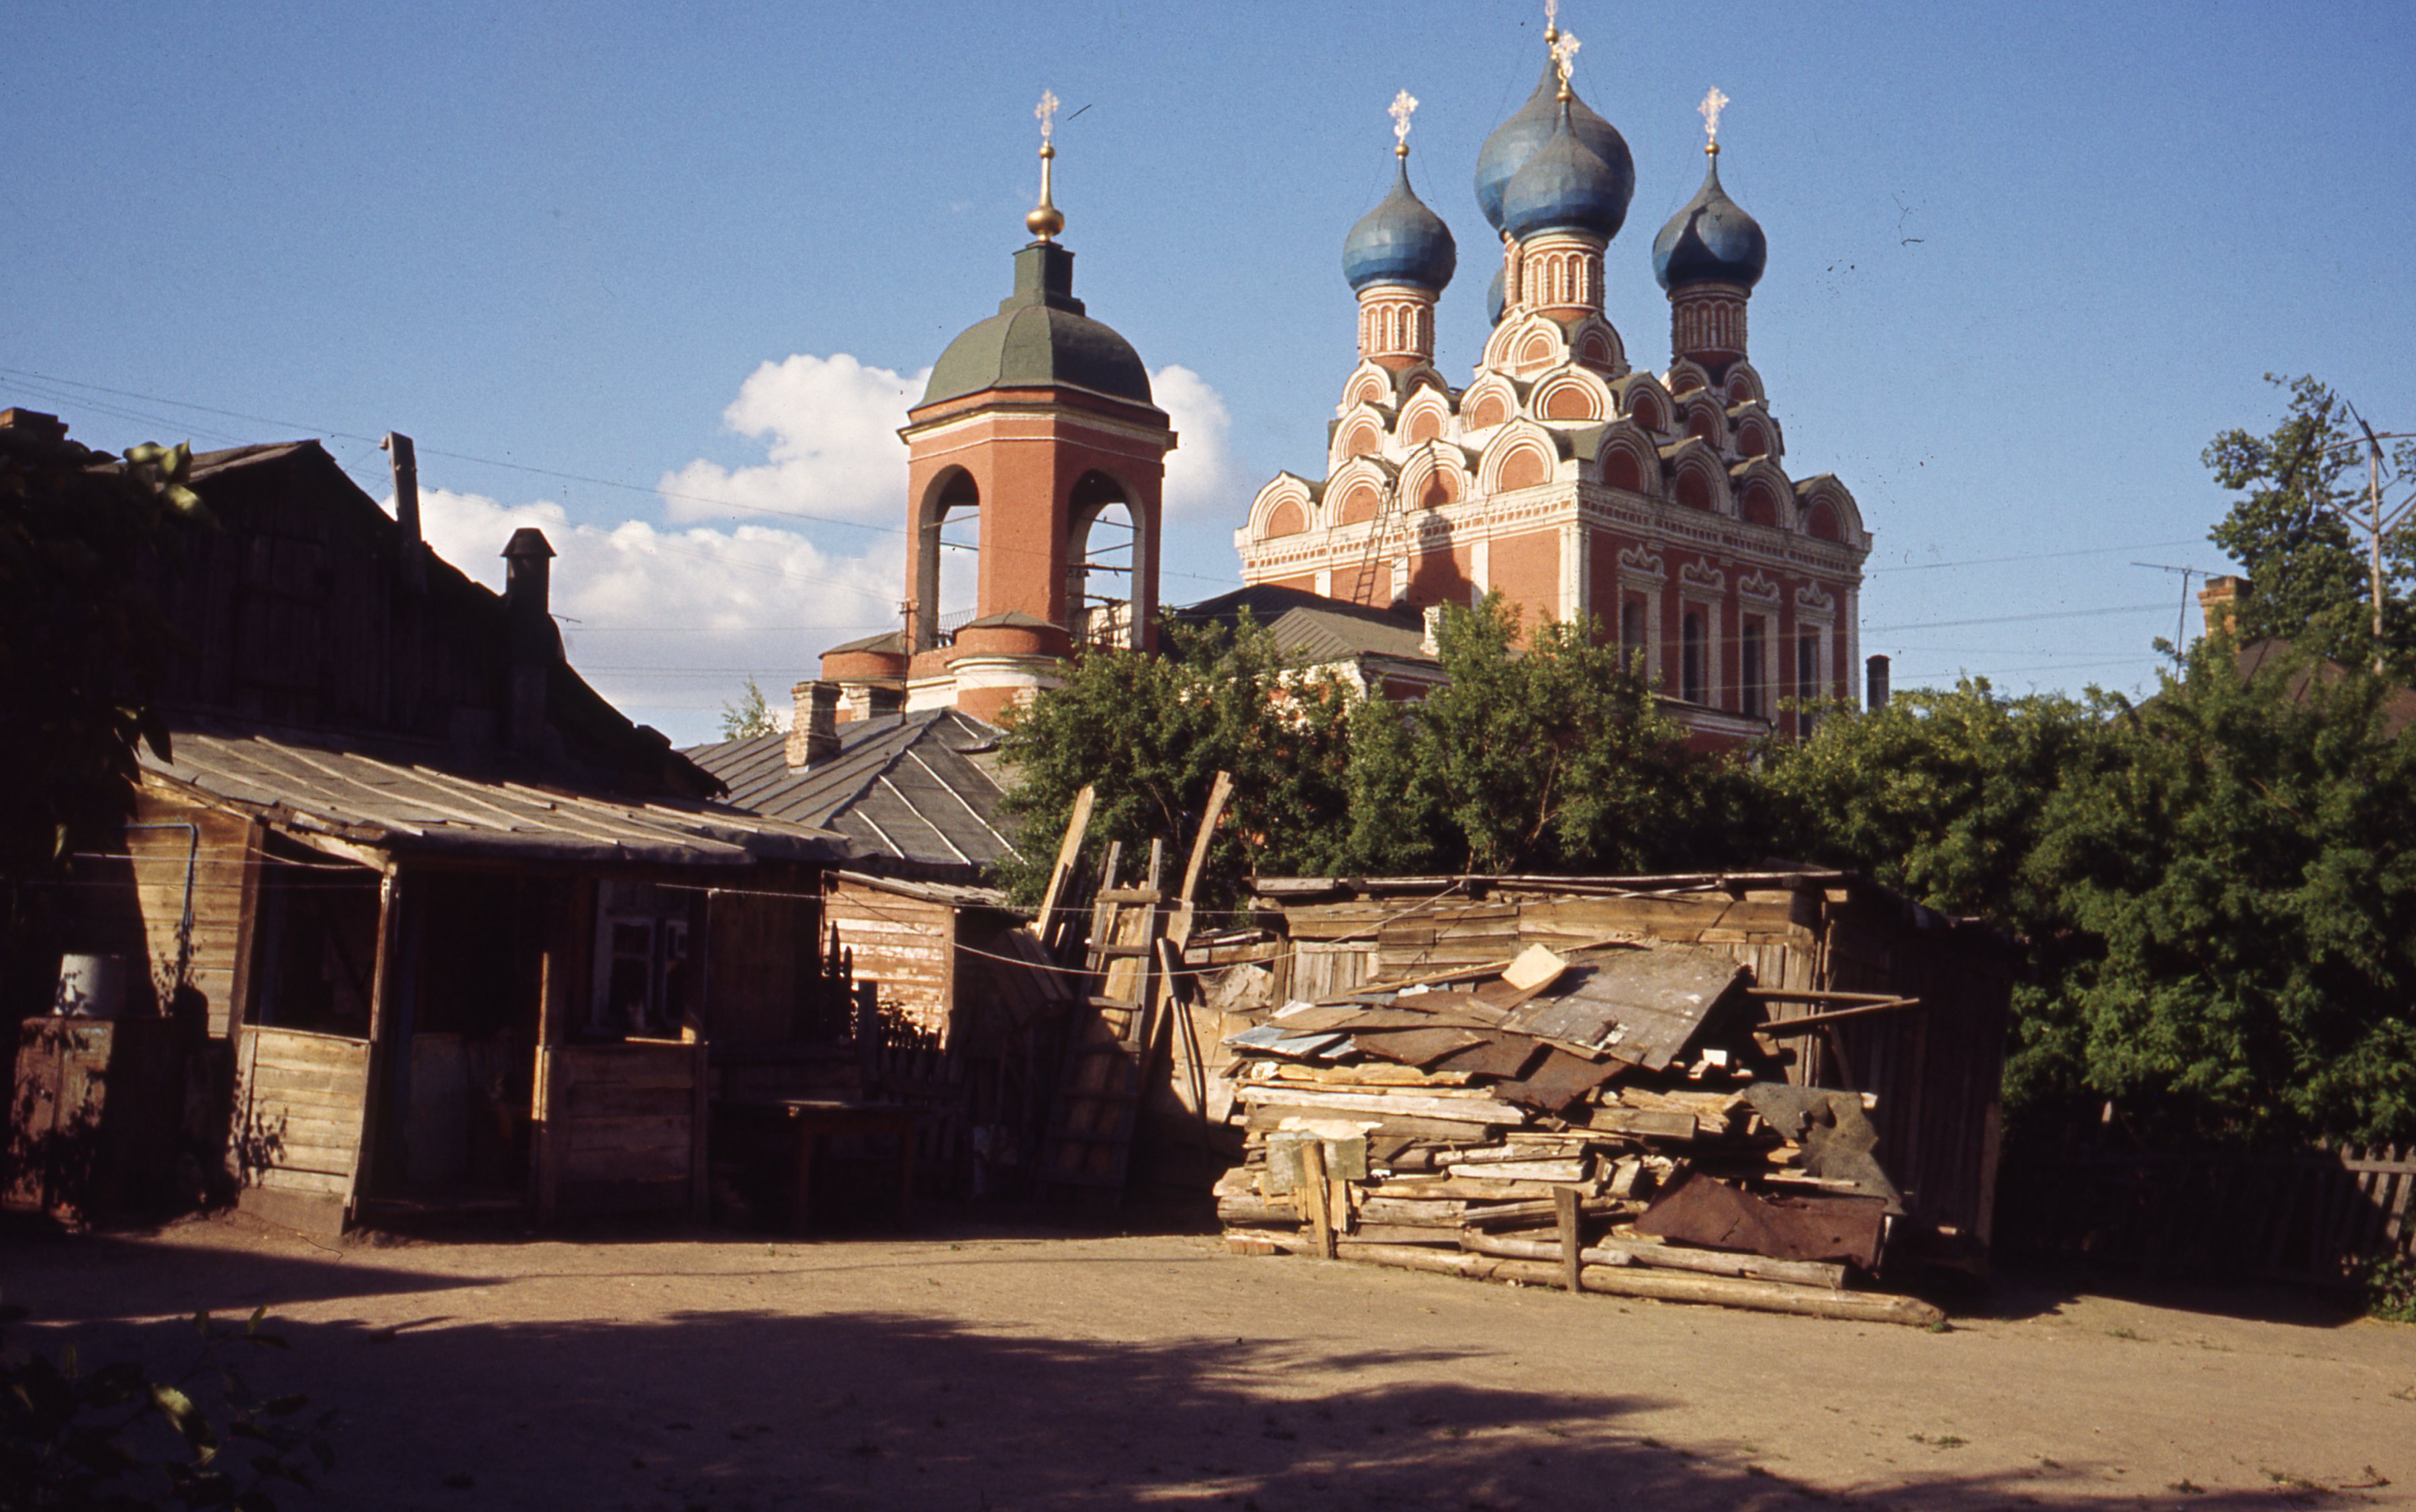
column 1400, row 241
column 1567, row 186
column 1496, row 298
column 1712, row 240
column 1526, row 133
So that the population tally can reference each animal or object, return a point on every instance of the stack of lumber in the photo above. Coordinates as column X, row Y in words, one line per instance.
column 1606, row 1121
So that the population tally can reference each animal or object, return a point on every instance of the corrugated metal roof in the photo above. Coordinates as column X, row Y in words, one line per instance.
column 908, row 791
column 406, row 798
column 1318, row 629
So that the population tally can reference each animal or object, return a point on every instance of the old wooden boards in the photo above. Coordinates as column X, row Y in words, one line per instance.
column 300, row 1114
column 621, row 1127
column 1089, row 1146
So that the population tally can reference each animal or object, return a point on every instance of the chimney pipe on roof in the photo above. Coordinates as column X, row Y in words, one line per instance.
column 405, row 461
column 813, row 728
column 535, row 644
column 1875, row 682
column 47, row 426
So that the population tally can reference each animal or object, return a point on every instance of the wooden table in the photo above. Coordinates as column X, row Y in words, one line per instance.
column 813, row 1119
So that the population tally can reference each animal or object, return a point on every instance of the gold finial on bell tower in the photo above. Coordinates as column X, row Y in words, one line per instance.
column 1709, row 110
column 1046, row 220
column 1564, row 57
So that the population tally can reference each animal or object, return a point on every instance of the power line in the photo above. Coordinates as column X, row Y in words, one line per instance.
column 652, row 491
column 2026, row 556
column 2019, row 619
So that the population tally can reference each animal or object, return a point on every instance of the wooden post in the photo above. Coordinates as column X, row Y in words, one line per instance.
column 700, row 1131
column 1310, row 1195
column 1069, row 850
column 382, row 974
column 550, row 1097
column 1564, row 1213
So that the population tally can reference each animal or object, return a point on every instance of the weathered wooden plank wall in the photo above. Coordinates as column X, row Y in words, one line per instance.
column 621, row 1127
column 2312, row 1215
column 906, row 945
column 299, row 1116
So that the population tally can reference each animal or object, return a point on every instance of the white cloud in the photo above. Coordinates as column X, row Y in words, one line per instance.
column 1201, row 481
column 830, row 426
column 667, row 623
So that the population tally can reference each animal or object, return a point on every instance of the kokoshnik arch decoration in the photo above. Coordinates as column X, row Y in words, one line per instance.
column 1578, row 486
column 1039, row 422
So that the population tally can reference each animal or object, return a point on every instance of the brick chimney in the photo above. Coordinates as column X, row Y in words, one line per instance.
column 2219, row 603
column 47, row 426
column 535, row 645
column 813, row 730
column 882, row 700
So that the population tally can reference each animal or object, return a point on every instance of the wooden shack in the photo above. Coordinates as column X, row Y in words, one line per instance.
column 1935, row 1069
column 439, row 927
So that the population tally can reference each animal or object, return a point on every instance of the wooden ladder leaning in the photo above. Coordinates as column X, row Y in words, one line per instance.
column 1089, row 1147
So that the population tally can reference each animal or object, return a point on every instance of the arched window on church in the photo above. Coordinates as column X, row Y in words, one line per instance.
column 948, row 579
column 1103, row 546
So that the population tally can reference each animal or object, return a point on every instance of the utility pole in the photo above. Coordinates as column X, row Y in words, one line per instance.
column 2181, row 623
column 2377, row 522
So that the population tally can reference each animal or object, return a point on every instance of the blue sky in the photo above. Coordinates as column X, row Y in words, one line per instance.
column 2024, row 262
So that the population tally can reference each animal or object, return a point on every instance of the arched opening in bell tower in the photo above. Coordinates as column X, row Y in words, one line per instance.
column 947, row 557
column 1105, row 545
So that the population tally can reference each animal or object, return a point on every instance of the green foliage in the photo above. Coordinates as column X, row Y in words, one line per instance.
column 2218, row 888
column 119, row 1439
column 2308, row 573
column 83, row 642
column 748, row 717
column 1548, row 755
column 1150, row 733
column 2387, row 1285
column 2245, row 873
column 1551, row 756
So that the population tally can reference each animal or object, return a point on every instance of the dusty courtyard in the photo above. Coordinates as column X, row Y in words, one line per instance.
column 983, row 1367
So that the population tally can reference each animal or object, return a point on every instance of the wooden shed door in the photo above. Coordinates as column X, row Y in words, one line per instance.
column 621, row 1127
column 298, row 1120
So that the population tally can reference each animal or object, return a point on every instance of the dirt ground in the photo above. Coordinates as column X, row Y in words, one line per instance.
column 975, row 1366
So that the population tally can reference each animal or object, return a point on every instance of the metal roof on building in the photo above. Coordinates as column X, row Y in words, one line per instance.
column 912, row 793
column 1318, row 629
column 413, row 798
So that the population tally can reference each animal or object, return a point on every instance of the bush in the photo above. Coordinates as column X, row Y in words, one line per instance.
column 116, row 1438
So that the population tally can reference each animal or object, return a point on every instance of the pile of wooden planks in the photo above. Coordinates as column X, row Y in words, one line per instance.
column 1606, row 1120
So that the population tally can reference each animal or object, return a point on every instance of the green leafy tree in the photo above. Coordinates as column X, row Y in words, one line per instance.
column 1940, row 794
column 748, row 717
column 2309, row 577
column 2246, row 872
column 1550, row 755
column 1150, row 733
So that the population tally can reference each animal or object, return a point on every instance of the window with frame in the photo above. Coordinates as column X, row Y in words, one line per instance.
column 1693, row 650
column 1751, row 688
column 1808, row 680
column 1631, row 629
column 642, row 960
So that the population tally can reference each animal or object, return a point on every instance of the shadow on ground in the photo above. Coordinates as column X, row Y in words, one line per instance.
column 761, row 1408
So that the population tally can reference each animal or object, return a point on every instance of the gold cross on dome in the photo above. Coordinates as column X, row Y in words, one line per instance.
column 1564, row 54
column 1404, row 106
column 1046, row 111
column 1709, row 110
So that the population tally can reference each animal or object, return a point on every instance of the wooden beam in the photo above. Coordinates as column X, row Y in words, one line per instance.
column 1069, row 850
column 1811, row 1023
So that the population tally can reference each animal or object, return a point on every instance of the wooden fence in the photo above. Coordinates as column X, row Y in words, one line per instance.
column 2306, row 1216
